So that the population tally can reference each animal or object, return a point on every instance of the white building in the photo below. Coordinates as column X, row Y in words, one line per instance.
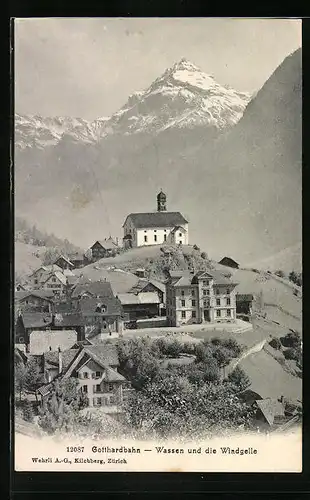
column 155, row 228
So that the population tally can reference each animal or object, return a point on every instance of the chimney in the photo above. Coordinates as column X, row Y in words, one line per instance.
column 59, row 360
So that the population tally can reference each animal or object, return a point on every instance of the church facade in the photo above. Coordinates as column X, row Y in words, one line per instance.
column 155, row 228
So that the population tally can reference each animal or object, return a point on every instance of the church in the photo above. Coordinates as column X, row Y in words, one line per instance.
column 155, row 228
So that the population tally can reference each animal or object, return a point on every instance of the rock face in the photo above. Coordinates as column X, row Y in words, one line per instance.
column 231, row 165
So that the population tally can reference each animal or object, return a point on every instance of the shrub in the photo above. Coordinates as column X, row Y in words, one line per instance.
column 275, row 343
column 292, row 339
column 204, row 256
column 293, row 353
column 28, row 411
column 239, row 378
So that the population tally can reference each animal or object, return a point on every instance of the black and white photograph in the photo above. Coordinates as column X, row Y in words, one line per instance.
column 157, row 244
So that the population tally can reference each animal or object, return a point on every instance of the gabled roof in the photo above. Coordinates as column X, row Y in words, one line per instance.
column 228, row 260
column 142, row 298
column 178, row 228
column 270, row 408
column 47, row 269
column 52, row 358
column 107, row 244
column 244, row 297
column 41, row 294
column 111, row 375
column 59, row 275
column 88, row 305
column 36, row 319
column 95, row 288
column 103, row 354
column 142, row 283
column 65, row 259
column 69, row 320
column 156, row 219
column 76, row 256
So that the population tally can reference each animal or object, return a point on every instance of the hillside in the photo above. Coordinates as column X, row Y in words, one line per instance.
column 198, row 140
column 32, row 247
column 279, row 301
column 27, row 258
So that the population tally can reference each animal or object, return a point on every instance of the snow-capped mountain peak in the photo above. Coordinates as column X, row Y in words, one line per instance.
column 182, row 97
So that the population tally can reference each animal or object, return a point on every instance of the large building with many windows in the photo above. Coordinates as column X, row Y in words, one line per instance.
column 202, row 297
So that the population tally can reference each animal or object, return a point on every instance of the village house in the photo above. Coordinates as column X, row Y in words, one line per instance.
column 142, row 305
column 104, row 248
column 244, row 303
column 64, row 263
column 78, row 260
column 34, row 301
column 155, row 286
column 202, row 297
column 39, row 276
column 103, row 316
column 95, row 367
column 229, row 262
column 29, row 322
column 155, row 228
column 44, row 340
column 57, row 282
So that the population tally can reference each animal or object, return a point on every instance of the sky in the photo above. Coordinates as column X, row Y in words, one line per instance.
column 87, row 67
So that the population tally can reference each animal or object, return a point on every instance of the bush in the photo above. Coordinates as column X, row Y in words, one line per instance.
column 28, row 411
column 292, row 339
column 204, row 256
column 239, row 378
column 275, row 343
column 293, row 353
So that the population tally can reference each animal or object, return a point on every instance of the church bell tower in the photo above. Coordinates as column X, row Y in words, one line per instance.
column 161, row 202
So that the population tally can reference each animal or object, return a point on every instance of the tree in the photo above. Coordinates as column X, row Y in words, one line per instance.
column 28, row 411
column 60, row 411
column 239, row 378
column 275, row 343
column 20, row 377
column 292, row 339
column 33, row 377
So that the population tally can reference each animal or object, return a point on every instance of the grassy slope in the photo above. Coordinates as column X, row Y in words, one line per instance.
column 25, row 258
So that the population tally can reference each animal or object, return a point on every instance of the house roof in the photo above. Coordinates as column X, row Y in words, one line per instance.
column 141, row 298
column 69, row 320
column 52, row 358
column 47, row 269
column 42, row 294
column 111, row 375
column 107, row 244
column 156, row 219
column 88, row 305
column 178, row 228
column 65, row 259
column 228, row 260
column 36, row 319
column 95, row 288
column 76, row 256
column 244, row 297
column 270, row 408
column 106, row 354
column 142, row 283
column 185, row 278
column 59, row 275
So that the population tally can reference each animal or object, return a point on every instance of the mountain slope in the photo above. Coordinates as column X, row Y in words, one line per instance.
column 239, row 185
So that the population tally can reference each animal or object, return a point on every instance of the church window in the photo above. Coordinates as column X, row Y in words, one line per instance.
column 165, row 237
column 145, row 238
column 155, row 237
column 180, row 234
